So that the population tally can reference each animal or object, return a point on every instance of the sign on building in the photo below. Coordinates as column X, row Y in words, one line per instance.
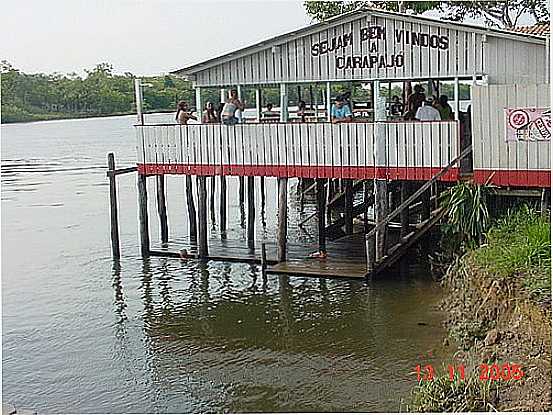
column 528, row 124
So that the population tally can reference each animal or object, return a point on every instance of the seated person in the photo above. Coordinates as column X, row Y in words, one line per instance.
column 427, row 112
column 302, row 107
column 340, row 111
column 269, row 114
column 396, row 107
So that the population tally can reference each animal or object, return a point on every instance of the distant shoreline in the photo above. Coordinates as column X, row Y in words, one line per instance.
column 60, row 117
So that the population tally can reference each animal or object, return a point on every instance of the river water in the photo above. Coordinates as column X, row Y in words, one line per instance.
column 80, row 334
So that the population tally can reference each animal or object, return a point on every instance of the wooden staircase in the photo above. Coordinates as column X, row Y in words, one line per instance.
column 391, row 255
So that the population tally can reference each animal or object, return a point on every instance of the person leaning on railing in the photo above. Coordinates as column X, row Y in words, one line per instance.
column 183, row 115
column 340, row 111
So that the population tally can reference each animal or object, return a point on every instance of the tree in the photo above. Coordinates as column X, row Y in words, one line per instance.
column 323, row 10
column 504, row 14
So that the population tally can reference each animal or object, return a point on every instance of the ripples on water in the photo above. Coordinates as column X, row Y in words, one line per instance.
column 81, row 334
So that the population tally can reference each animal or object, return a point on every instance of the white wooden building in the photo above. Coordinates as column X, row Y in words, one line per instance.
column 508, row 71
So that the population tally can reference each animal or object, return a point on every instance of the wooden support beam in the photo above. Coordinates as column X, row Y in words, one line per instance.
column 202, row 217
column 115, row 250
column 282, row 228
column 321, row 214
column 366, row 195
column 212, row 200
column 241, row 199
column 251, row 210
column 192, row 224
column 348, row 211
column 404, row 214
column 223, row 206
column 262, row 191
column 380, row 213
column 143, row 216
column 162, row 209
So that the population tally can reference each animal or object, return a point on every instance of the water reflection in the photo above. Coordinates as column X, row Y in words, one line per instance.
column 221, row 337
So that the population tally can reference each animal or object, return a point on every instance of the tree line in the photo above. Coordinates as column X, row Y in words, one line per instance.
column 33, row 97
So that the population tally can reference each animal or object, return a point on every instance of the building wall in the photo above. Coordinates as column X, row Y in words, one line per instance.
column 509, row 61
column 496, row 160
column 469, row 52
column 294, row 61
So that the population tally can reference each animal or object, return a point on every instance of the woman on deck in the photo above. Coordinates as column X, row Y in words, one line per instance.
column 209, row 116
column 183, row 115
column 233, row 103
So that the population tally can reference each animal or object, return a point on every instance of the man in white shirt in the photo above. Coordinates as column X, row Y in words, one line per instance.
column 427, row 112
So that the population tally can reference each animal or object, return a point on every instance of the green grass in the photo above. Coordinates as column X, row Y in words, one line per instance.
column 519, row 245
column 444, row 395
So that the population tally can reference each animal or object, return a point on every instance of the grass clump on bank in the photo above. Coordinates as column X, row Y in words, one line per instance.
column 445, row 395
column 519, row 246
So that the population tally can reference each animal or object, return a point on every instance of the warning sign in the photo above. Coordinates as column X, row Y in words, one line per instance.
column 528, row 124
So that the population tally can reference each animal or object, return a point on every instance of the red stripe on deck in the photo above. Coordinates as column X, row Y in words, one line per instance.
column 525, row 178
column 348, row 172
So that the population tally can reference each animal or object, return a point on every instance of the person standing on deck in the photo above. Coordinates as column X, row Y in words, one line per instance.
column 209, row 116
column 228, row 116
column 446, row 112
column 183, row 115
column 427, row 112
column 340, row 111
column 414, row 102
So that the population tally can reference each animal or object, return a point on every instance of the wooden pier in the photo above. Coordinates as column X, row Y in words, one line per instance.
column 392, row 167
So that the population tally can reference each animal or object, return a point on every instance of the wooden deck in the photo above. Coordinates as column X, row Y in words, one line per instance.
column 346, row 257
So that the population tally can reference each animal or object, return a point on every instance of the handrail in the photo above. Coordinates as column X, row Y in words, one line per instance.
column 296, row 123
column 415, row 195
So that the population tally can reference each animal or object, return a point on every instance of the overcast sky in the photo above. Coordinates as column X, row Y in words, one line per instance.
column 145, row 37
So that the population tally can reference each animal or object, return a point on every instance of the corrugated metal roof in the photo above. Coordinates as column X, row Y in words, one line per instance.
column 540, row 29
column 375, row 11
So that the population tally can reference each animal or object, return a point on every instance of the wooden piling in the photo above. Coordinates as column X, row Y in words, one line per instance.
column 366, row 195
column 370, row 252
column 381, row 211
column 425, row 200
column 241, row 190
column 143, row 216
column 282, row 229
column 115, row 250
column 191, row 210
column 404, row 214
column 262, row 190
column 251, row 211
column 202, row 217
column 162, row 209
column 212, row 200
column 321, row 214
column 348, row 208
column 263, row 258
column 223, row 207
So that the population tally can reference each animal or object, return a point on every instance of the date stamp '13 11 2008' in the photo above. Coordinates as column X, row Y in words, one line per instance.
column 493, row 372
